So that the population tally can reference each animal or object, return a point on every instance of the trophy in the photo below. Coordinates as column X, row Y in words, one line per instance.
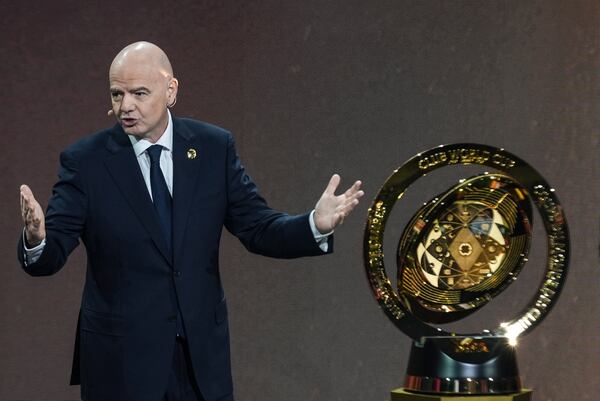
column 460, row 250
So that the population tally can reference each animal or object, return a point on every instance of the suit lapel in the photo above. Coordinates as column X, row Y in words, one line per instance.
column 125, row 170
column 187, row 165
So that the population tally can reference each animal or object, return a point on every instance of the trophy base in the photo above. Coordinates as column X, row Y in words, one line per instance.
column 403, row 395
column 460, row 365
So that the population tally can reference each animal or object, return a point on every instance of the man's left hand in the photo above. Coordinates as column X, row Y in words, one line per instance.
column 331, row 210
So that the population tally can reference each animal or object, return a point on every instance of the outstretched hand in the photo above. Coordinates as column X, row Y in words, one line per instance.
column 331, row 210
column 33, row 217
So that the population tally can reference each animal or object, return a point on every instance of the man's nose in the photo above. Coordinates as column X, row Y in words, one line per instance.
column 127, row 104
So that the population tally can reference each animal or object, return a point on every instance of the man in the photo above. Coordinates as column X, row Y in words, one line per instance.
column 149, row 198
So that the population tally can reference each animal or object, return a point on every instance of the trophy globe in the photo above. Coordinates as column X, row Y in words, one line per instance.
column 459, row 251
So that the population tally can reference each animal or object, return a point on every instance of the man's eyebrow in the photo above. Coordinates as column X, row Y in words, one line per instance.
column 138, row 89
column 141, row 88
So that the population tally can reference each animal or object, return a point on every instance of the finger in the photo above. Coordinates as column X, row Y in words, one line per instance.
column 25, row 200
column 28, row 206
column 356, row 195
column 26, row 203
column 353, row 189
column 338, row 219
column 25, row 188
column 333, row 184
column 26, row 193
column 24, row 206
column 348, row 207
column 344, row 203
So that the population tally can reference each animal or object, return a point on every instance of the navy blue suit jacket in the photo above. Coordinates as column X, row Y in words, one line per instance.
column 127, row 326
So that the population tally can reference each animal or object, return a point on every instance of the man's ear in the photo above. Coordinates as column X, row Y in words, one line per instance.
column 172, row 92
column 173, row 86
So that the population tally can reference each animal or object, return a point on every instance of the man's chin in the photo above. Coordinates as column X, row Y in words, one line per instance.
column 131, row 129
column 135, row 131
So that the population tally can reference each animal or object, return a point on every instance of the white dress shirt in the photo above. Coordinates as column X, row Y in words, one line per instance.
column 166, row 156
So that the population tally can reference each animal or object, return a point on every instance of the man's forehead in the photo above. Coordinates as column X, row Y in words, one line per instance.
column 135, row 74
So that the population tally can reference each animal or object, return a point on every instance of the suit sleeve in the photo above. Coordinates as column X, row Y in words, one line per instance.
column 261, row 229
column 65, row 219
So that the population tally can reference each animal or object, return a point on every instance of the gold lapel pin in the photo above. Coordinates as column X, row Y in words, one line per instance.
column 191, row 153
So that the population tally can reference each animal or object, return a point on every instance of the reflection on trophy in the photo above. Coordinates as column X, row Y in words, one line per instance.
column 460, row 250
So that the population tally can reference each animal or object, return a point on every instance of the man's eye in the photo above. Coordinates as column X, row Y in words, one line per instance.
column 115, row 95
column 140, row 93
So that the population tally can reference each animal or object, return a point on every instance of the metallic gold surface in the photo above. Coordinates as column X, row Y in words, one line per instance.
column 463, row 248
column 191, row 153
column 469, row 344
column 463, row 386
column 532, row 185
column 404, row 395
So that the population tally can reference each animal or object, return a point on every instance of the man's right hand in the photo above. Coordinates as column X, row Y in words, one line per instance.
column 33, row 218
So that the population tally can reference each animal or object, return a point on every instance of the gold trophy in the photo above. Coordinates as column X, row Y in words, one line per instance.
column 459, row 251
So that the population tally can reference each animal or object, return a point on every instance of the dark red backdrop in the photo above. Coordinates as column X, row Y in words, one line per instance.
column 310, row 88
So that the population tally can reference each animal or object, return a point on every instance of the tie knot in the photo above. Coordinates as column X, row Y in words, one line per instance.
column 154, row 153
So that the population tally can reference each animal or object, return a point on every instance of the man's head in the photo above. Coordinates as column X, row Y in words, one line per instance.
column 142, row 86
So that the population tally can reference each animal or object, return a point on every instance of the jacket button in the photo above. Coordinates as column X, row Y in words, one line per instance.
column 177, row 273
column 172, row 318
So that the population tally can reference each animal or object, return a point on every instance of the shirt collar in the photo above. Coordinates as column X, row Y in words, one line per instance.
column 165, row 140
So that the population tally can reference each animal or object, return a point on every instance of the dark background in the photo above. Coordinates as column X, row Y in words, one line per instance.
column 310, row 88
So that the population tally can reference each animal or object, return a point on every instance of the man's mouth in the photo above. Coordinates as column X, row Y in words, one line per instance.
column 128, row 121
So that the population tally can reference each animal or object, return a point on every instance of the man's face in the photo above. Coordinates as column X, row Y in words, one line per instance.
column 140, row 93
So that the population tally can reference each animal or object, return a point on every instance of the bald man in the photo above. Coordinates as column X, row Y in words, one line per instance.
column 149, row 198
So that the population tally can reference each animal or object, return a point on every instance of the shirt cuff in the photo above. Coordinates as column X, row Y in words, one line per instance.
column 320, row 238
column 33, row 254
